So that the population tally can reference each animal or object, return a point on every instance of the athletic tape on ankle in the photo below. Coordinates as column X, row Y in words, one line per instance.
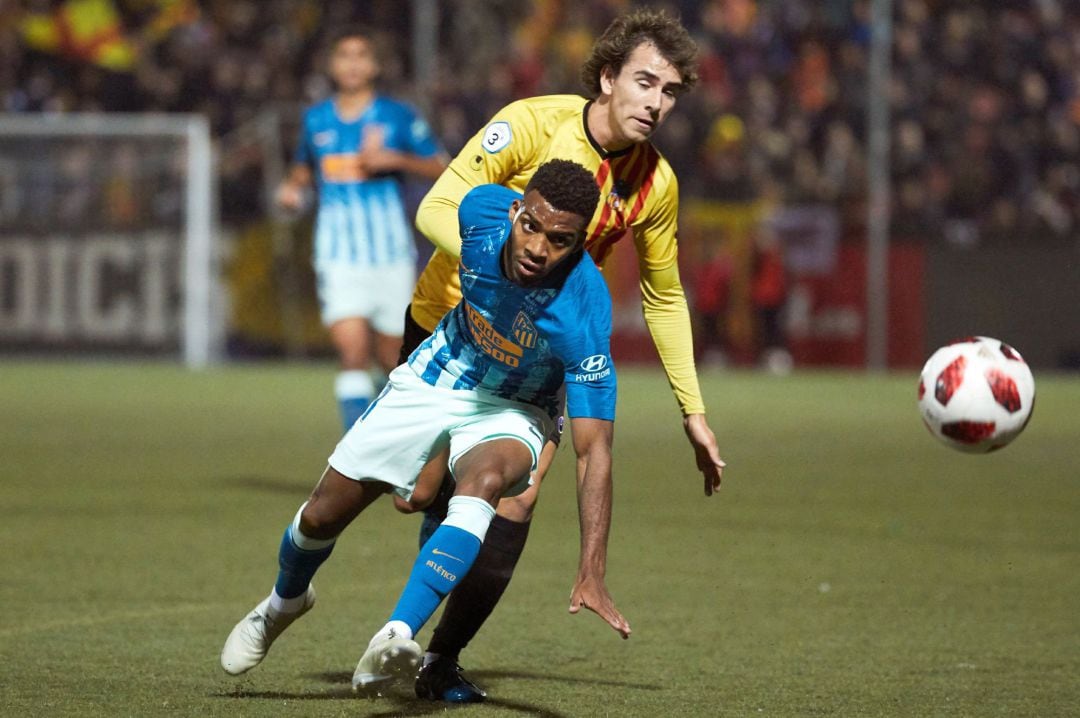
column 306, row 543
column 471, row 514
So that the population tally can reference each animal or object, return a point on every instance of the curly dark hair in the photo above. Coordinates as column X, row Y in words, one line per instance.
column 567, row 186
column 625, row 33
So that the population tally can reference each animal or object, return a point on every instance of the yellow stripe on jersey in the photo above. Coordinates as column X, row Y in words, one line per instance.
column 640, row 199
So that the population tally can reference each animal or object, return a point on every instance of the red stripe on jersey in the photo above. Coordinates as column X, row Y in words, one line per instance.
column 646, row 185
column 601, row 177
column 602, row 249
column 602, row 173
column 640, row 175
column 601, row 231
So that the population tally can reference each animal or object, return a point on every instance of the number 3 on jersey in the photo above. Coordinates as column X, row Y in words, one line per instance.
column 497, row 136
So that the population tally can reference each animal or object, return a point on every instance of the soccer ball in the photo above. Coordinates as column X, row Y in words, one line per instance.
column 976, row 394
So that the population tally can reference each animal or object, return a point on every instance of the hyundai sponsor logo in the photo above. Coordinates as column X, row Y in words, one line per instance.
column 595, row 367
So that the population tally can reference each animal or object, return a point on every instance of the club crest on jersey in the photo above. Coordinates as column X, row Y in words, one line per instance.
column 524, row 331
column 616, row 197
column 326, row 137
column 497, row 136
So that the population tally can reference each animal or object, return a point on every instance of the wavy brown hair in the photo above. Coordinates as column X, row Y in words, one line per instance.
column 625, row 33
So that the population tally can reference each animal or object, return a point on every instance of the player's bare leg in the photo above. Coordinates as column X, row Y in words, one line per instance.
column 475, row 597
column 387, row 350
column 307, row 543
column 354, row 387
column 485, row 472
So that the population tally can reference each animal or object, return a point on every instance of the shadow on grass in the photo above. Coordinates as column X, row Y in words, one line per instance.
column 401, row 702
column 397, row 704
column 267, row 484
column 492, row 677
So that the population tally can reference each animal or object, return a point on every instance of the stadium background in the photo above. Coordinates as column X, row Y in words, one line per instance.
column 771, row 152
column 850, row 565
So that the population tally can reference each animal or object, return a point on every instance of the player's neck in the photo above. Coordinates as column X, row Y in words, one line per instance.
column 598, row 121
column 352, row 104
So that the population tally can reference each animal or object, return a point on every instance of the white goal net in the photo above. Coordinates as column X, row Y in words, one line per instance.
column 108, row 237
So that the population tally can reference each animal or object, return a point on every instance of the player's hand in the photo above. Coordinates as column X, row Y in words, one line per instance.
column 592, row 594
column 376, row 160
column 289, row 197
column 706, row 452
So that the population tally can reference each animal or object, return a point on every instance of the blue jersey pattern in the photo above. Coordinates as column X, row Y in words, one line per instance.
column 521, row 343
column 361, row 218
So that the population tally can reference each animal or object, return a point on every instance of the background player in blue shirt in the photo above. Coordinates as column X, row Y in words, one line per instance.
column 535, row 317
column 354, row 147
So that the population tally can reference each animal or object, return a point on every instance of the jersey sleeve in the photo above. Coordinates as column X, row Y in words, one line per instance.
column 582, row 341
column 505, row 146
column 421, row 140
column 484, row 208
column 663, row 299
column 304, row 154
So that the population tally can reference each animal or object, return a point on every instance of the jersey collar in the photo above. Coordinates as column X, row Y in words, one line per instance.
column 604, row 154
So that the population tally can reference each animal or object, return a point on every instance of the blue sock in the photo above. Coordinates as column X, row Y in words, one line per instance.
column 444, row 560
column 296, row 565
column 436, row 513
column 351, row 410
column 354, row 390
column 428, row 527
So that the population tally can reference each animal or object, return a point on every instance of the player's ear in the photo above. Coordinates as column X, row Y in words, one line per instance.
column 607, row 79
column 514, row 207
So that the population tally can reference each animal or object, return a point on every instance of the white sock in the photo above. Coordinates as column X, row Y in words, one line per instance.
column 279, row 605
column 354, row 384
column 400, row 629
column 470, row 513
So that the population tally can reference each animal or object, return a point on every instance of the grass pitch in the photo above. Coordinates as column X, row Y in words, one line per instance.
column 850, row 566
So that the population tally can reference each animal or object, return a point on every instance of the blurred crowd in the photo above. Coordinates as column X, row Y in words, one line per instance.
column 985, row 97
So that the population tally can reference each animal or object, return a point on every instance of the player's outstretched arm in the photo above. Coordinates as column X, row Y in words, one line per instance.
column 706, row 451
column 290, row 193
column 592, row 443
column 668, row 318
column 437, row 215
column 381, row 159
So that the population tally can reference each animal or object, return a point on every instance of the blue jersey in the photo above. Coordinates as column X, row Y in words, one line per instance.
column 361, row 218
column 522, row 343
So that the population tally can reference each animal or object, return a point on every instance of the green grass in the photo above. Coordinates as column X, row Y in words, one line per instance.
column 850, row 566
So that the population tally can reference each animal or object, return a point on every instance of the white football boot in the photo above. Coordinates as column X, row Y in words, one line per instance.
column 388, row 657
column 250, row 639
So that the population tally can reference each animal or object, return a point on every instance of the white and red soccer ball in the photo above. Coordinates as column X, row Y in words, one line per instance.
column 976, row 394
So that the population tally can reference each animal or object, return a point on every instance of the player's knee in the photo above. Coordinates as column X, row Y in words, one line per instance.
column 486, row 483
column 317, row 523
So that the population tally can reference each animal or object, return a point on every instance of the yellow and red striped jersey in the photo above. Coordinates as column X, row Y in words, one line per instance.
column 639, row 199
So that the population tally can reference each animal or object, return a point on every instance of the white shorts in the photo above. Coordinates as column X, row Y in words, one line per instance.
column 412, row 421
column 378, row 294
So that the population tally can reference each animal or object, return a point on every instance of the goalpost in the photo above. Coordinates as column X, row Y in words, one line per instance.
column 109, row 236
